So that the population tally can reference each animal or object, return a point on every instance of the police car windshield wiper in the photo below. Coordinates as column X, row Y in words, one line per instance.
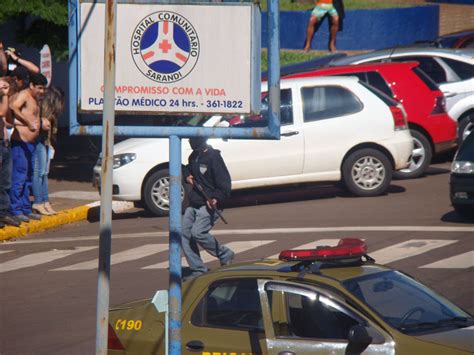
column 453, row 321
column 421, row 325
column 461, row 321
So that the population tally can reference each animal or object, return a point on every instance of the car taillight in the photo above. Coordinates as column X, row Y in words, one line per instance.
column 399, row 117
column 439, row 106
column 113, row 342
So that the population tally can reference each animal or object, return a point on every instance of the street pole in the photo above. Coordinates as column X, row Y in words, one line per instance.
column 174, row 302
column 108, row 122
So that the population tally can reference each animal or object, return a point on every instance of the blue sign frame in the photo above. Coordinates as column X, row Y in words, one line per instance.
column 272, row 131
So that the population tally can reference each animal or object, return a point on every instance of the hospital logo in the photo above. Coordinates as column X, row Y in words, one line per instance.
column 165, row 47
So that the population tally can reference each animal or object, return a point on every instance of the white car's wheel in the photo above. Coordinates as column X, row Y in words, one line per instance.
column 367, row 172
column 420, row 158
column 157, row 193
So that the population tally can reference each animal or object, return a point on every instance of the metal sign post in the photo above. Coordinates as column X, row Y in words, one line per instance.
column 105, row 241
column 174, row 302
column 141, row 90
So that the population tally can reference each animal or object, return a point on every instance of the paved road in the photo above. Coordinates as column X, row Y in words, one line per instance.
column 49, row 281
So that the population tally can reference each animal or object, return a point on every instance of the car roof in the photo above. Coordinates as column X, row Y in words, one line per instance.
column 355, row 68
column 443, row 52
column 311, row 64
column 322, row 80
column 275, row 267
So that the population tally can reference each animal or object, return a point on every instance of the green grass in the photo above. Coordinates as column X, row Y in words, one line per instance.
column 304, row 5
column 290, row 57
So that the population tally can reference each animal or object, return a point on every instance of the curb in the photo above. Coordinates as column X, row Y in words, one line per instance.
column 63, row 217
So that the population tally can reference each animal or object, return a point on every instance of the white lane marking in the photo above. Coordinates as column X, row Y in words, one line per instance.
column 312, row 245
column 407, row 249
column 5, row 251
column 120, row 257
column 461, row 261
column 232, row 232
column 237, row 247
column 39, row 258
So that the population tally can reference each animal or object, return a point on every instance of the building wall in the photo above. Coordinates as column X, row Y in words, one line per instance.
column 362, row 29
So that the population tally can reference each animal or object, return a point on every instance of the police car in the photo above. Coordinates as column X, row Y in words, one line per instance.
column 327, row 300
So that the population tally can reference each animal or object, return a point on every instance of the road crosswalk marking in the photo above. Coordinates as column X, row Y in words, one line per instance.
column 237, row 247
column 462, row 261
column 407, row 249
column 121, row 257
column 40, row 258
column 396, row 252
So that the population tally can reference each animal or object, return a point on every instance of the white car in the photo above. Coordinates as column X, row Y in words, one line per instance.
column 452, row 70
column 332, row 129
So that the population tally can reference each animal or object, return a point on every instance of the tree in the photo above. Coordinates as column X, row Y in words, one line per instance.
column 39, row 22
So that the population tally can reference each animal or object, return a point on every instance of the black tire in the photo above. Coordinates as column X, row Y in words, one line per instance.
column 367, row 172
column 465, row 126
column 156, row 193
column 420, row 159
column 465, row 211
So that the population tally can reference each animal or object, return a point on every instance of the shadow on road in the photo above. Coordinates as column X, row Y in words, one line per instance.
column 453, row 217
column 258, row 197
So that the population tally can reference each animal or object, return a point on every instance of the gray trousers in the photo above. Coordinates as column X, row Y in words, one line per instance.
column 196, row 225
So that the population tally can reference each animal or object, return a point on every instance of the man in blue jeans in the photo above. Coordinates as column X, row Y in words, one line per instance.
column 5, row 158
column 25, row 109
column 207, row 168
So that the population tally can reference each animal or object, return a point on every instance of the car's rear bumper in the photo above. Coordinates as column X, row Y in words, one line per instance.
column 401, row 148
column 442, row 129
column 462, row 189
column 445, row 146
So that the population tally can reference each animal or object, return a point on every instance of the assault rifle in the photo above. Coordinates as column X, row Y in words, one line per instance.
column 206, row 196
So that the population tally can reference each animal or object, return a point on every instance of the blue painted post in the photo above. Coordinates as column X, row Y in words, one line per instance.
column 174, row 301
column 73, row 60
column 274, row 66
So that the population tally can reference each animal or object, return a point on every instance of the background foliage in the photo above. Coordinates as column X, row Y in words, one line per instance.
column 38, row 22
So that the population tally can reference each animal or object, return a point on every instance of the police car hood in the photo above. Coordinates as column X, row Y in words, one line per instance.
column 460, row 339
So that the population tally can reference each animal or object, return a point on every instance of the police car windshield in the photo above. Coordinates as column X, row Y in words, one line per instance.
column 406, row 304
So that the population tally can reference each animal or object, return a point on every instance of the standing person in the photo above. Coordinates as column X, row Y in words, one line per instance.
column 5, row 157
column 207, row 168
column 333, row 8
column 27, row 126
column 51, row 106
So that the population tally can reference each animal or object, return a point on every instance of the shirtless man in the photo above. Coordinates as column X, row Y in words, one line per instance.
column 23, row 140
column 333, row 8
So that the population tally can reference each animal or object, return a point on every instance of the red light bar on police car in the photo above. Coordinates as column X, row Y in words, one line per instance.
column 346, row 248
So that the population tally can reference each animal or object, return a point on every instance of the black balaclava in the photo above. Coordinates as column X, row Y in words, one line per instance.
column 198, row 144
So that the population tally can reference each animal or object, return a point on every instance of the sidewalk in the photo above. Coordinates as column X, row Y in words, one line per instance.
column 70, row 189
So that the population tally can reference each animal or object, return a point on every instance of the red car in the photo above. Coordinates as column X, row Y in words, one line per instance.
column 433, row 130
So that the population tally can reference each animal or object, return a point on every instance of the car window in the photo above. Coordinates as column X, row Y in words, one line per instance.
column 401, row 301
column 429, row 65
column 373, row 78
column 377, row 81
column 426, row 79
column 463, row 70
column 230, row 304
column 466, row 151
column 261, row 120
column 311, row 316
column 323, row 102
column 468, row 44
